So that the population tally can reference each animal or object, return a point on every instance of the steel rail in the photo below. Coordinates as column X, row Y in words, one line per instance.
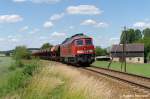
column 140, row 80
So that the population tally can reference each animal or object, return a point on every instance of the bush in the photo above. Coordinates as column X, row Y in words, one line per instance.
column 29, row 69
column 19, row 63
column 100, row 51
column 16, row 80
column 21, row 52
column 12, row 67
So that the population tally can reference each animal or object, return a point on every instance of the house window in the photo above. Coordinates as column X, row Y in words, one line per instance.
column 138, row 59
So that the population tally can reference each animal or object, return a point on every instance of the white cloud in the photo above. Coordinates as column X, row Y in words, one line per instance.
column 34, row 31
column 114, row 40
column 56, row 17
column 102, row 25
column 10, row 18
column 71, row 27
column 44, row 1
column 57, row 34
column 42, row 38
column 89, row 22
column 10, row 36
column 37, row 1
column 94, row 23
column 141, row 24
column 18, row 1
column 2, row 39
column 14, row 40
column 84, row 9
column 48, row 24
column 23, row 29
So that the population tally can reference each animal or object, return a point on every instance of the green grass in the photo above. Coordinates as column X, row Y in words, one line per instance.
column 5, row 62
column 14, row 79
column 60, row 82
column 138, row 69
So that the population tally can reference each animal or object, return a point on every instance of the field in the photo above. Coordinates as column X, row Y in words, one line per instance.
column 14, row 75
column 138, row 69
column 5, row 62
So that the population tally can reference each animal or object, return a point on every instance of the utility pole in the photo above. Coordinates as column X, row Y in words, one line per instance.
column 124, row 48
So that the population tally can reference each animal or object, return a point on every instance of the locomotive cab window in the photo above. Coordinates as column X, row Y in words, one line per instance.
column 88, row 42
column 79, row 42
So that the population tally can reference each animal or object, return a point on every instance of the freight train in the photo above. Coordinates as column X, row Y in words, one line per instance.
column 78, row 50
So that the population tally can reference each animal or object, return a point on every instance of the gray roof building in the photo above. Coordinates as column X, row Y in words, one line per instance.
column 131, row 50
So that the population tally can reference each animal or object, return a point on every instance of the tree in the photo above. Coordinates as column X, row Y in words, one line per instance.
column 148, row 56
column 130, row 36
column 146, row 42
column 21, row 52
column 100, row 52
column 146, row 32
column 138, row 35
column 46, row 45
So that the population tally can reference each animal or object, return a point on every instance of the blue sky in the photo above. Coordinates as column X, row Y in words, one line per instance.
column 34, row 22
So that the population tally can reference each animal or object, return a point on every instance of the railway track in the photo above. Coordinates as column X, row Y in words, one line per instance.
column 138, row 82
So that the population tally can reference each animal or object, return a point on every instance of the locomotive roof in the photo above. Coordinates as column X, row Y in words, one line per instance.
column 76, row 36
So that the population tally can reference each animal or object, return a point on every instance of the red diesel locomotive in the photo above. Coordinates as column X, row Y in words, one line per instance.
column 78, row 49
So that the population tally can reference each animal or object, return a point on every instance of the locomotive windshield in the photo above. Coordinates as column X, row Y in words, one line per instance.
column 88, row 42
column 79, row 42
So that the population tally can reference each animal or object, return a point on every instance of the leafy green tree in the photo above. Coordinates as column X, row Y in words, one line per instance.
column 138, row 35
column 21, row 52
column 130, row 36
column 148, row 56
column 100, row 51
column 146, row 32
column 146, row 42
column 46, row 45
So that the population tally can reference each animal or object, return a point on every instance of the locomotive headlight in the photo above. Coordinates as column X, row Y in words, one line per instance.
column 80, row 51
column 91, row 51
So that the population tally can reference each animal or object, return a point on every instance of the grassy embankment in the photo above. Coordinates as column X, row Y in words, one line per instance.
column 139, row 69
column 14, row 75
column 60, row 82
column 55, row 81
column 51, row 82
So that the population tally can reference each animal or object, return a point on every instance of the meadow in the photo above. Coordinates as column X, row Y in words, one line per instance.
column 138, row 69
column 14, row 75
column 5, row 62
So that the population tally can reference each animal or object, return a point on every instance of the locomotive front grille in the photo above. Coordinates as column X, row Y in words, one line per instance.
column 86, row 58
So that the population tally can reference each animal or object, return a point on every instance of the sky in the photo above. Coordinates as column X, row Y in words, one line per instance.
column 34, row 22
